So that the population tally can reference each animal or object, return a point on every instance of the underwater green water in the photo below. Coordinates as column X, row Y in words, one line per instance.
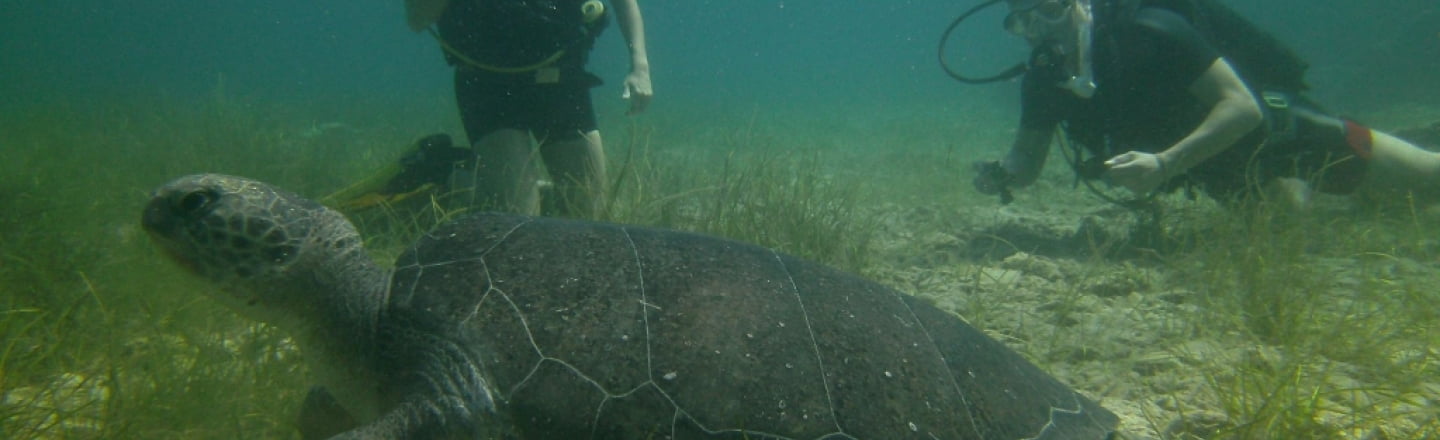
column 1276, row 325
column 818, row 129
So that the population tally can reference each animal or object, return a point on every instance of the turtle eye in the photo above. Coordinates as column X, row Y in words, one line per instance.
column 196, row 202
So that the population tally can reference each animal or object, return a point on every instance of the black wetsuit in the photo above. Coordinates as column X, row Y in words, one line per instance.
column 552, row 102
column 1144, row 65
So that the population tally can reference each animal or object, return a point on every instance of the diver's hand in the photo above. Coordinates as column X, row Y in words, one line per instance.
column 637, row 90
column 1136, row 171
column 991, row 177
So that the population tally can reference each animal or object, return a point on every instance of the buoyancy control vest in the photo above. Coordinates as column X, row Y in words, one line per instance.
column 516, row 36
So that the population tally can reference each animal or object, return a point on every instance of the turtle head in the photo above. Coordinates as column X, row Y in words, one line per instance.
column 272, row 252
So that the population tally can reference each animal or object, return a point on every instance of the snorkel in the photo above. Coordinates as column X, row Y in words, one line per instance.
column 1080, row 66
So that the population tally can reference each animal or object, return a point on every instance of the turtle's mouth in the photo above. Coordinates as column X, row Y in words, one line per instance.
column 162, row 225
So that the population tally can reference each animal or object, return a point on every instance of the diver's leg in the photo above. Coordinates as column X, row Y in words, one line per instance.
column 505, row 175
column 496, row 119
column 577, row 170
column 1354, row 158
column 1399, row 167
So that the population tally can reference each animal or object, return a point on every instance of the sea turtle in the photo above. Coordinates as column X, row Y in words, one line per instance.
column 508, row 326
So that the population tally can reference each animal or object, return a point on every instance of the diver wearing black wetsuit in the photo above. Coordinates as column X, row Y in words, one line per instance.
column 524, row 94
column 1143, row 69
column 1160, row 106
column 553, row 101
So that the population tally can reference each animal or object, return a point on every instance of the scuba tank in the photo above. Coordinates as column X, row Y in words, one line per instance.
column 1262, row 60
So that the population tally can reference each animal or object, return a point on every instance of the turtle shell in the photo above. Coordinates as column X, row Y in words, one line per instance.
column 593, row 330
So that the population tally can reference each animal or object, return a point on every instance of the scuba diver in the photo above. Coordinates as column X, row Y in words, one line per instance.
column 1167, row 94
column 520, row 75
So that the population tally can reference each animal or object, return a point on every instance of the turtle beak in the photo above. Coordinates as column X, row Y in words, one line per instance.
column 161, row 223
column 157, row 218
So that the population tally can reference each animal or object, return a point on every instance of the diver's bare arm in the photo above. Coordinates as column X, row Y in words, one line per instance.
column 1027, row 156
column 637, row 84
column 632, row 25
column 1233, row 113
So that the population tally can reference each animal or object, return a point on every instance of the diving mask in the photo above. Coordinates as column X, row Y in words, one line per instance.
column 1062, row 28
column 1034, row 21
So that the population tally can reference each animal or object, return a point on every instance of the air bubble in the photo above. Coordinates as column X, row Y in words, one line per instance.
column 670, row 376
column 889, row 374
column 914, row 428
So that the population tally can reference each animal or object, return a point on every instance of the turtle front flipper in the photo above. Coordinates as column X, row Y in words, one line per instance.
column 321, row 416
